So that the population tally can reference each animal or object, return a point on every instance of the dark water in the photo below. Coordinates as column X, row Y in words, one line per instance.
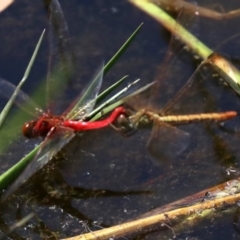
column 101, row 178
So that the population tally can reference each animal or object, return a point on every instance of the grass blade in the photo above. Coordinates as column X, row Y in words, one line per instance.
column 8, row 106
column 187, row 38
column 110, row 63
column 7, row 177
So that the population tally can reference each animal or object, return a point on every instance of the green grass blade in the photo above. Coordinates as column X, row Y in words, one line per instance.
column 109, row 65
column 171, row 24
column 8, row 106
column 109, row 90
column 121, row 101
column 186, row 37
column 112, row 99
column 118, row 54
column 89, row 94
column 8, row 177
column 13, row 172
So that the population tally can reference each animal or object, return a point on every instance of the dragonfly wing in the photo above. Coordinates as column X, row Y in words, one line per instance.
column 202, row 89
column 22, row 100
column 203, row 93
column 85, row 102
column 53, row 143
column 59, row 33
column 174, row 71
column 167, row 142
column 62, row 70
column 61, row 65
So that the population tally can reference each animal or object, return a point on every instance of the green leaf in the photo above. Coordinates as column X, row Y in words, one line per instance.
column 8, row 106
column 14, row 171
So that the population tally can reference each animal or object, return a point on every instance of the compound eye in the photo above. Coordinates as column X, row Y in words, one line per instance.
column 28, row 129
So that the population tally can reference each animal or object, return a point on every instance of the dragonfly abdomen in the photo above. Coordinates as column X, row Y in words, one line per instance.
column 179, row 119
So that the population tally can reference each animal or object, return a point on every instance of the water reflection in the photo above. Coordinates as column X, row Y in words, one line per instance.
column 103, row 178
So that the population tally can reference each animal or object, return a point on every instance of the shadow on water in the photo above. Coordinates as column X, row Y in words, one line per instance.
column 101, row 178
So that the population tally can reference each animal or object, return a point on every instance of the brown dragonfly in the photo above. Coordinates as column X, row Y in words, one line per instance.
column 202, row 98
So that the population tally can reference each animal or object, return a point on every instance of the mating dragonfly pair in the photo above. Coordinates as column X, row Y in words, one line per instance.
column 57, row 130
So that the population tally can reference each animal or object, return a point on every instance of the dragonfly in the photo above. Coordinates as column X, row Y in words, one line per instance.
column 198, row 100
column 167, row 140
column 58, row 130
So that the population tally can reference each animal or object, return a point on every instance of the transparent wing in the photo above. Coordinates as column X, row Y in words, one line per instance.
column 177, row 66
column 53, row 143
column 167, row 142
column 22, row 100
column 61, row 65
column 173, row 71
column 62, row 70
column 194, row 93
column 204, row 92
column 85, row 103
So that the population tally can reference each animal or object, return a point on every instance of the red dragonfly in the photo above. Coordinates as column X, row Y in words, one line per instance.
column 58, row 130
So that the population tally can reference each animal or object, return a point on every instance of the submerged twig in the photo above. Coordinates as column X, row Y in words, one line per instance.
column 220, row 197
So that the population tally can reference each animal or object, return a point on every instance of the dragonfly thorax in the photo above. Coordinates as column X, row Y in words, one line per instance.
column 39, row 128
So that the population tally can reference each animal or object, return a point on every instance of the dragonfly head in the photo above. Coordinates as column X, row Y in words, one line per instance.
column 124, row 123
column 28, row 129
column 39, row 128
